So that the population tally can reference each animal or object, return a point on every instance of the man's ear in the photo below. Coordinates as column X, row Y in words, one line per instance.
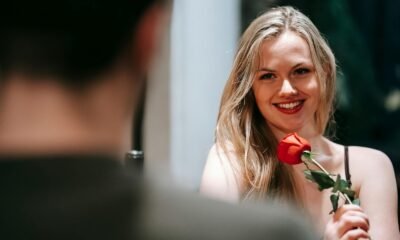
column 147, row 35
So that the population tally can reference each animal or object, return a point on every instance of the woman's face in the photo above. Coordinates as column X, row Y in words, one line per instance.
column 285, row 87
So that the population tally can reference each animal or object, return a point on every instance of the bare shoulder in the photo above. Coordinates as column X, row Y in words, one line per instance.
column 365, row 157
column 368, row 163
column 222, row 175
column 224, row 158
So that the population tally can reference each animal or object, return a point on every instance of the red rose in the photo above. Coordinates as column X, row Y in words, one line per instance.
column 291, row 147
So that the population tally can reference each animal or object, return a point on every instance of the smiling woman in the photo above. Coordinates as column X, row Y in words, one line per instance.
column 283, row 81
column 286, row 88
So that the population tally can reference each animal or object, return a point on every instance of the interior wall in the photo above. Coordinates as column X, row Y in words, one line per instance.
column 186, row 85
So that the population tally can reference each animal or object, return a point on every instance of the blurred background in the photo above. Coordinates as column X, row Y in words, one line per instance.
column 181, row 103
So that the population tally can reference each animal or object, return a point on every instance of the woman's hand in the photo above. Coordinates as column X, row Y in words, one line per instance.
column 348, row 222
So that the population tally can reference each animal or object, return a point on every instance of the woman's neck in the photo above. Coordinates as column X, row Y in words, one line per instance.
column 308, row 132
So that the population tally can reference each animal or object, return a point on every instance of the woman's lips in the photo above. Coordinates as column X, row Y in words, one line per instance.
column 290, row 107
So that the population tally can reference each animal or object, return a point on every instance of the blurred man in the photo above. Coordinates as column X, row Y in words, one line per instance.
column 70, row 71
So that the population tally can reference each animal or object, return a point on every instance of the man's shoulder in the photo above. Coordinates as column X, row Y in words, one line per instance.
column 66, row 197
column 101, row 196
column 178, row 214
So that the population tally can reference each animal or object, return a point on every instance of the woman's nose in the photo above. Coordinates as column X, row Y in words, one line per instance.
column 287, row 89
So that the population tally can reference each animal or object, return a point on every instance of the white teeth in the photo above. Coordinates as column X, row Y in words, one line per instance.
column 289, row 105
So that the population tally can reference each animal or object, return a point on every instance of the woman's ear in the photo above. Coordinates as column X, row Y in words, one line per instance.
column 148, row 34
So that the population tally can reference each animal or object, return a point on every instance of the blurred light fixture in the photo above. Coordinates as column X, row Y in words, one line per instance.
column 392, row 101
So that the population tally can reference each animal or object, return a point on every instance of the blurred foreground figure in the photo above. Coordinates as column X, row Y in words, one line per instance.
column 70, row 74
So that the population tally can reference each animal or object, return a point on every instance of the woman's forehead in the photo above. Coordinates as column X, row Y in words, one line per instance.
column 287, row 47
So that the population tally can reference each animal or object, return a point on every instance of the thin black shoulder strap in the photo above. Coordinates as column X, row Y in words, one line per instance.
column 346, row 164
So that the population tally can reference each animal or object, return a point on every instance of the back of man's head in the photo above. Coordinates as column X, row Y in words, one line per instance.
column 72, row 40
column 70, row 72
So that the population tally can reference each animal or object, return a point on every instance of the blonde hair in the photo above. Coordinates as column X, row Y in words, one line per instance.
column 241, row 125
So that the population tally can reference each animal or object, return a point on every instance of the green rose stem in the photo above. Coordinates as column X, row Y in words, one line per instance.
column 306, row 157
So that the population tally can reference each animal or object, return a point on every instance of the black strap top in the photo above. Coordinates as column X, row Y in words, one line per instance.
column 346, row 164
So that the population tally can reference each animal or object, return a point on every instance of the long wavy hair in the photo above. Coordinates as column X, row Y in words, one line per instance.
column 241, row 129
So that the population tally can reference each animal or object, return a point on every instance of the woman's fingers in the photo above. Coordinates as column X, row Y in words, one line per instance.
column 346, row 208
column 355, row 234
column 350, row 222
column 359, row 214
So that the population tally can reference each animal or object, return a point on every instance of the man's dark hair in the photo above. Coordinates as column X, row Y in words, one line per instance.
column 70, row 39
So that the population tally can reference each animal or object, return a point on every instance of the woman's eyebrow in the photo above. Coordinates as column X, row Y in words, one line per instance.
column 301, row 63
column 264, row 69
column 297, row 65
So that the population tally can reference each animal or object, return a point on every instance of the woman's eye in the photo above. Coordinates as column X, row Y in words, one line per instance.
column 267, row 76
column 301, row 71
